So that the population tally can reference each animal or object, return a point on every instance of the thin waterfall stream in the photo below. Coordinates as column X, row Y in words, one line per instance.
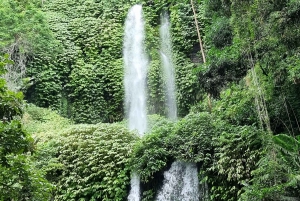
column 168, row 67
column 181, row 180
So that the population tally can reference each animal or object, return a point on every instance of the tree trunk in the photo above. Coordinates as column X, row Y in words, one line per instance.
column 198, row 32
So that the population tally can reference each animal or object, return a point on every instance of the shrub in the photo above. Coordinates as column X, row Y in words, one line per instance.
column 95, row 162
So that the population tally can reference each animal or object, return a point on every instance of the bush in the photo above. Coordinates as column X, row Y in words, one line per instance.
column 191, row 139
column 150, row 154
column 237, row 151
column 43, row 124
column 95, row 162
column 277, row 175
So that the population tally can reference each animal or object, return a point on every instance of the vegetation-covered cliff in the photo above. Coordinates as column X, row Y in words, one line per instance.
column 239, row 108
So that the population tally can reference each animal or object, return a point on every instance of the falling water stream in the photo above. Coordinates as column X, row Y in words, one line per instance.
column 180, row 184
column 180, row 181
column 136, row 63
column 168, row 67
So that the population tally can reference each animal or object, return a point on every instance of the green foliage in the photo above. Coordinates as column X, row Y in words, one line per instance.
column 95, row 162
column 83, row 162
column 47, row 128
column 191, row 139
column 82, row 79
column 155, row 145
column 237, row 150
column 23, row 20
column 264, row 38
column 236, row 106
column 218, row 148
column 187, row 140
column 86, row 75
column 48, row 81
column 86, row 94
column 224, row 65
column 184, row 34
column 19, row 179
column 14, row 139
column 24, row 35
column 220, row 33
column 277, row 175
column 87, row 50
column 156, row 98
column 188, row 90
column 43, row 124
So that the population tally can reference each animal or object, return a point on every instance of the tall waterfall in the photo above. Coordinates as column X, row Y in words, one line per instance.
column 135, row 62
column 168, row 67
column 180, row 184
column 181, row 180
column 135, row 70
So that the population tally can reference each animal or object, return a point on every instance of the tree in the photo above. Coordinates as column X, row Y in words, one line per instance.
column 18, row 178
column 24, row 35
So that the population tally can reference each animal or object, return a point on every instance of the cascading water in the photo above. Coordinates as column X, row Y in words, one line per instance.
column 180, row 184
column 134, row 194
column 135, row 81
column 168, row 67
column 135, row 70
column 181, row 180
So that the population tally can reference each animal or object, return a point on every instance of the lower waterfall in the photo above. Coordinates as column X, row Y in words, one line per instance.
column 180, row 183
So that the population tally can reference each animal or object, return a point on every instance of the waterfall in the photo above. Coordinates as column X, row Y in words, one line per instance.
column 168, row 67
column 180, row 184
column 135, row 181
column 136, row 63
column 181, row 180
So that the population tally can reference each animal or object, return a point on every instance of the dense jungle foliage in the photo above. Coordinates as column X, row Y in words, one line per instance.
column 63, row 132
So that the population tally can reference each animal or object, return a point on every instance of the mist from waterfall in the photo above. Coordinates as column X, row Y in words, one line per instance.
column 136, row 63
column 168, row 67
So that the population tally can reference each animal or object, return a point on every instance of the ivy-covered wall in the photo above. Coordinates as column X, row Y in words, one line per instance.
column 244, row 135
column 84, row 79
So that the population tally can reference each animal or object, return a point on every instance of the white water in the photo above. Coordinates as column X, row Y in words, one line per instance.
column 168, row 67
column 136, row 63
column 135, row 70
column 180, row 184
column 181, row 180
column 134, row 194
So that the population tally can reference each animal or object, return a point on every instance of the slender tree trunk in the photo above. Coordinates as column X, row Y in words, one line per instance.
column 198, row 32
column 202, row 50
